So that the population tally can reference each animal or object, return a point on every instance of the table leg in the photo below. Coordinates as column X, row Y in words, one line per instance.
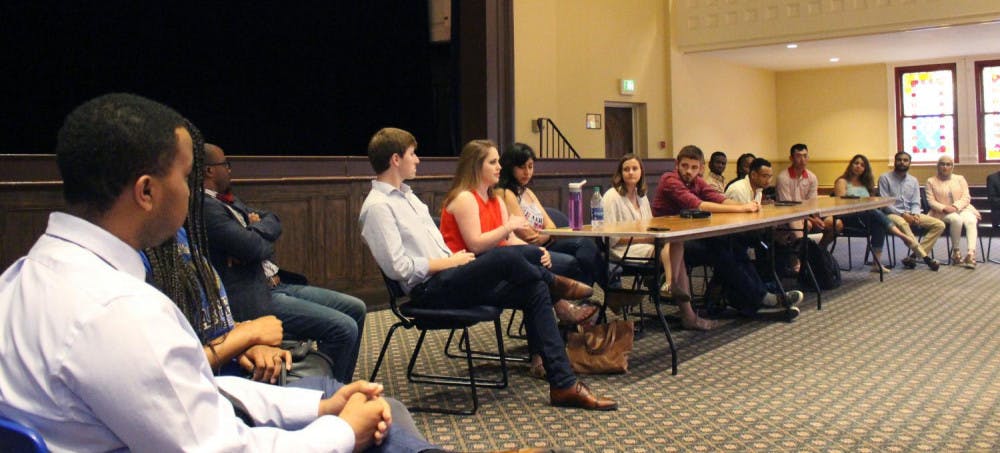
column 808, row 267
column 654, row 295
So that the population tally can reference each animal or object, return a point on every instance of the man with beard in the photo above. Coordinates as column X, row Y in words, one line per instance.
column 683, row 189
column 905, row 212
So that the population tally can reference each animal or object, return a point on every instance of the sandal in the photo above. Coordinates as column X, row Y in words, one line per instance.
column 700, row 324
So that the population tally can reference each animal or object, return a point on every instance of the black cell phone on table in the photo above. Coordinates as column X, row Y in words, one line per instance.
column 657, row 229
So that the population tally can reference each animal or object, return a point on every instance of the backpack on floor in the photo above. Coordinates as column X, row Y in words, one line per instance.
column 823, row 264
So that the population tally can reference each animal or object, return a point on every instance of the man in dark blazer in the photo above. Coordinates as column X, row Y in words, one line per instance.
column 241, row 247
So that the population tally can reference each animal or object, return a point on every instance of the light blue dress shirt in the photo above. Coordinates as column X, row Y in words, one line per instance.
column 401, row 234
column 905, row 191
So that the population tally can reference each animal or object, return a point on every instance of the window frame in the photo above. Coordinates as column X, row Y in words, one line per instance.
column 898, row 82
column 978, row 67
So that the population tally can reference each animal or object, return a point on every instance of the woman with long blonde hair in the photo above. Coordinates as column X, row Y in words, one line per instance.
column 476, row 220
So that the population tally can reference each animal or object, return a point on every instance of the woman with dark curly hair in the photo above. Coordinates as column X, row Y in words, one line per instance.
column 859, row 181
column 575, row 257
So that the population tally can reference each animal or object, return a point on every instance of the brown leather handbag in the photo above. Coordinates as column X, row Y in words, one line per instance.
column 602, row 348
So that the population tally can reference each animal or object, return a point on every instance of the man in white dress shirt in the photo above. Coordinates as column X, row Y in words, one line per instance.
column 758, row 178
column 94, row 358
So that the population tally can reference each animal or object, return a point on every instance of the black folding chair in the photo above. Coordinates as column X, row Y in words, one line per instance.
column 411, row 314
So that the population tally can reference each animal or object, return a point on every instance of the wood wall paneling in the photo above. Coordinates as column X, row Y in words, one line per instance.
column 321, row 238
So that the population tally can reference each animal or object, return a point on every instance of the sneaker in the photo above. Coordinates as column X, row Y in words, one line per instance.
column 909, row 262
column 969, row 262
column 793, row 298
column 932, row 263
column 792, row 313
column 778, row 313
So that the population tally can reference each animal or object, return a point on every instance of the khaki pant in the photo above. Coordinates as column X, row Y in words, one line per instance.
column 934, row 228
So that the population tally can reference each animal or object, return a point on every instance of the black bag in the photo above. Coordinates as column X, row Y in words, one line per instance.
column 307, row 360
column 823, row 264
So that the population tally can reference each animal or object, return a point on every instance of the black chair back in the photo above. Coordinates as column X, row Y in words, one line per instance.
column 558, row 217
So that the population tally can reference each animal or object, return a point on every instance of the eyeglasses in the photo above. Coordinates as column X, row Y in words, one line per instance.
column 228, row 165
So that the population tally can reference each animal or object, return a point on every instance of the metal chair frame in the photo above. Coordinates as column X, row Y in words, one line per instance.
column 396, row 300
column 639, row 268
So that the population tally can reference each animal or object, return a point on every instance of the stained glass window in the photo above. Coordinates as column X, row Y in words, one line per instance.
column 988, row 106
column 926, row 121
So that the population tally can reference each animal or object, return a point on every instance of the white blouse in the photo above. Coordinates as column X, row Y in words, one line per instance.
column 619, row 209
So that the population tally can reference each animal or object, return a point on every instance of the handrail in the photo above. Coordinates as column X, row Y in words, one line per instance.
column 552, row 143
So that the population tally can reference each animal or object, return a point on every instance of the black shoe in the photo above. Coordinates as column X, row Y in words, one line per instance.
column 932, row 263
column 909, row 262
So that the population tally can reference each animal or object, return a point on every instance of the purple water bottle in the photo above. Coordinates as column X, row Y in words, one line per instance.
column 576, row 205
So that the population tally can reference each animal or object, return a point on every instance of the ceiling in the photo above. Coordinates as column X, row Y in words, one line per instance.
column 925, row 44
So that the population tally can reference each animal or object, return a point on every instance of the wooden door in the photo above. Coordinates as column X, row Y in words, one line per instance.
column 617, row 131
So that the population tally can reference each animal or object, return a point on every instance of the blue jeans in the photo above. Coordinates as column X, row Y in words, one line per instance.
column 579, row 259
column 403, row 434
column 334, row 320
column 875, row 221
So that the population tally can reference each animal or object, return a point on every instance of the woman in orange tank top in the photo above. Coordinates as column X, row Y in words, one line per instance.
column 476, row 220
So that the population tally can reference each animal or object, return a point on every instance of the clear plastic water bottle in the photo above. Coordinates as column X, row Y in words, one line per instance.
column 596, row 209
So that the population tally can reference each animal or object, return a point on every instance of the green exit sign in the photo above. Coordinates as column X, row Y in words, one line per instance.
column 627, row 87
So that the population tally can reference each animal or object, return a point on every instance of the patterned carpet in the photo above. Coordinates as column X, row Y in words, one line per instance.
column 910, row 364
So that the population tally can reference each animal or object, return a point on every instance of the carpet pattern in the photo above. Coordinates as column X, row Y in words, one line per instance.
column 911, row 364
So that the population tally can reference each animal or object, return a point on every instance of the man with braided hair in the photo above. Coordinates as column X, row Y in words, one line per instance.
column 180, row 269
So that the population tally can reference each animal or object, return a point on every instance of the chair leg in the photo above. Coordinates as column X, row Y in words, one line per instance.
column 947, row 246
column 502, row 352
column 471, row 381
column 989, row 247
column 520, row 335
column 472, row 371
column 981, row 249
column 385, row 346
column 850, row 258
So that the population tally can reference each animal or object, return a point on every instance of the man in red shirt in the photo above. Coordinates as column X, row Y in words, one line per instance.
column 684, row 189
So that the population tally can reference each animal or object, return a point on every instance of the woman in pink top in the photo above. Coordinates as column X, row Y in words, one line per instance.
column 948, row 195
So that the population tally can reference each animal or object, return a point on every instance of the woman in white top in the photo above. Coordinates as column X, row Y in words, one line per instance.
column 626, row 201
column 948, row 195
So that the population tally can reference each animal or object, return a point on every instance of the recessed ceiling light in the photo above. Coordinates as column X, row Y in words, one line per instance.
column 792, row 46
column 834, row 60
